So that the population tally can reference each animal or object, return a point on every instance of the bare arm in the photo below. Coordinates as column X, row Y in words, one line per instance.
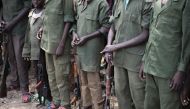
column 65, row 33
column 24, row 12
column 95, row 34
column 140, row 39
column 61, row 46
column 111, row 35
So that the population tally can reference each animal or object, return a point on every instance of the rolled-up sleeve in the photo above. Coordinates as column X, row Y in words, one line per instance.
column 146, row 13
column 185, row 50
column 103, row 16
column 68, row 11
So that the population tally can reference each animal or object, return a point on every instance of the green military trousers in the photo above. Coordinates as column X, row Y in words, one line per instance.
column 159, row 95
column 129, row 89
column 91, row 91
column 58, row 69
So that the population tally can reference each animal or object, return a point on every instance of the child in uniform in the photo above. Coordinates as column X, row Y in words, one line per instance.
column 58, row 16
column 130, row 32
column 167, row 54
column 89, row 37
column 31, row 50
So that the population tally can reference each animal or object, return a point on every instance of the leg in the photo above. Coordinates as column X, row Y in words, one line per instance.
column 168, row 99
column 13, row 65
column 122, row 88
column 52, row 79
column 22, row 66
column 137, row 88
column 95, row 89
column 62, row 70
column 152, row 100
column 85, row 91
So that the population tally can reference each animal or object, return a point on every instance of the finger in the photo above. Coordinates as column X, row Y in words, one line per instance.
column 78, row 43
column 38, row 37
column 77, row 38
column 185, row 102
column 144, row 76
column 171, row 83
column 102, row 52
column 174, row 87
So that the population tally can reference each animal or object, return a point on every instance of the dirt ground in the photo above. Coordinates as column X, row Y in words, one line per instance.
column 13, row 99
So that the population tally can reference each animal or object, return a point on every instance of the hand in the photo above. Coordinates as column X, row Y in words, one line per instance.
column 26, row 58
column 2, row 26
column 109, row 58
column 8, row 27
column 81, row 41
column 39, row 33
column 75, row 39
column 60, row 50
column 177, row 81
column 110, row 48
column 141, row 72
column 185, row 97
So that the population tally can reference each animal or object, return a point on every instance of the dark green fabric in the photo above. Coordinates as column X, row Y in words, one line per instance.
column 55, row 14
column 11, row 8
column 122, row 88
column 58, row 69
column 89, row 20
column 168, row 48
column 131, row 24
column 159, row 95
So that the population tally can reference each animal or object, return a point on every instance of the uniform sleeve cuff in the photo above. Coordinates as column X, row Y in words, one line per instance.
column 145, row 25
column 68, row 18
column 25, row 54
column 181, row 67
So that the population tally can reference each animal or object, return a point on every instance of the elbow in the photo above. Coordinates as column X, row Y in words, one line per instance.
column 145, row 35
column 104, row 31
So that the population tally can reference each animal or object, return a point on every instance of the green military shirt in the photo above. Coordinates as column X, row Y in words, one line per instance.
column 133, row 19
column 11, row 8
column 168, row 48
column 89, row 20
column 55, row 14
column 31, row 47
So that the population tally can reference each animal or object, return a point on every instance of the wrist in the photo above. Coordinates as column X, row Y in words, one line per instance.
column 61, row 44
column 108, row 44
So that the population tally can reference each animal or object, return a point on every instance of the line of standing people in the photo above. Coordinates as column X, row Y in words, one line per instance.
column 147, row 42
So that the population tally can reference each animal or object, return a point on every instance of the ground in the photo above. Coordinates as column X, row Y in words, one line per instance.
column 13, row 99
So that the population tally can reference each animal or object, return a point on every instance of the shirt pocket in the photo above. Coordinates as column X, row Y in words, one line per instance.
column 117, row 14
column 91, row 22
column 91, row 17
